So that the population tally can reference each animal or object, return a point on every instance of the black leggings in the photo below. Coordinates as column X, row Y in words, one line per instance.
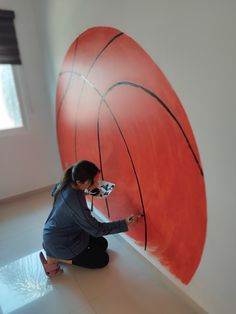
column 94, row 256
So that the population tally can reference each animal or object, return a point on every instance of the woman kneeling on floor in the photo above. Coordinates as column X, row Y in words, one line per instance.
column 71, row 234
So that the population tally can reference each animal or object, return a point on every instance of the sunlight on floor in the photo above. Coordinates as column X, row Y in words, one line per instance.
column 22, row 282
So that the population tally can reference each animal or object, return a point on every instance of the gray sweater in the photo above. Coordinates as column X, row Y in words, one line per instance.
column 69, row 225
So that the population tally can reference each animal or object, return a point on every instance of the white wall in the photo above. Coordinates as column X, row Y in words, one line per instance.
column 194, row 44
column 29, row 160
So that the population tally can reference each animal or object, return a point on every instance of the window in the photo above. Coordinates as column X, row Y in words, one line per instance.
column 10, row 110
column 10, row 113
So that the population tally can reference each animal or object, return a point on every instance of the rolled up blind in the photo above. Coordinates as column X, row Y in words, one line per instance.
column 9, row 51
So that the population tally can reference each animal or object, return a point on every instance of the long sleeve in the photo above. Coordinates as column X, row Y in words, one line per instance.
column 84, row 219
column 97, row 229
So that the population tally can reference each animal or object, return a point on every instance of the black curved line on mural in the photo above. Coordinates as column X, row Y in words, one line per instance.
column 164, row 106
column 100, row 151
column 114, row 38
column 69, row 82
column 81, row 91
column 132, row 163
column 128, row 151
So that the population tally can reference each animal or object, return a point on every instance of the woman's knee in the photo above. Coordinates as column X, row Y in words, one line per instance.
column 101, row 243
column 101, row 261
column 92, row 261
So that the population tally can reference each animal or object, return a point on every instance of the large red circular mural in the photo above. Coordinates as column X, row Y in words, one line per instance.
column 116, row 108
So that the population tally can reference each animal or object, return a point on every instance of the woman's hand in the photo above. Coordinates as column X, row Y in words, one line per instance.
column 133, row 219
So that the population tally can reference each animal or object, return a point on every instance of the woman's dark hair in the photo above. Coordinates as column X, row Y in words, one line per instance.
column 82, row 171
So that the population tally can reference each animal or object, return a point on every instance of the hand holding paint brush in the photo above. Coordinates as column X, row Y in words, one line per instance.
column 133, row 219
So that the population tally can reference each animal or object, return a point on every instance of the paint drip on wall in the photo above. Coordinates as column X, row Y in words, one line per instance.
column 115, row 107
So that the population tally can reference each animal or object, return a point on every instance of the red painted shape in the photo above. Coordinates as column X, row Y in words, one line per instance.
column 146, row 143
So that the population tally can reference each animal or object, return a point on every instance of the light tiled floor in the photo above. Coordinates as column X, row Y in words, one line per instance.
column 129, row 284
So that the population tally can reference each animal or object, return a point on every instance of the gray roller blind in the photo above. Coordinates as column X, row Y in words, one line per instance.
column 9, row 52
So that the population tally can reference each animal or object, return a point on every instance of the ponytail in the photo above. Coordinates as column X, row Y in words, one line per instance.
column 65, row 180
